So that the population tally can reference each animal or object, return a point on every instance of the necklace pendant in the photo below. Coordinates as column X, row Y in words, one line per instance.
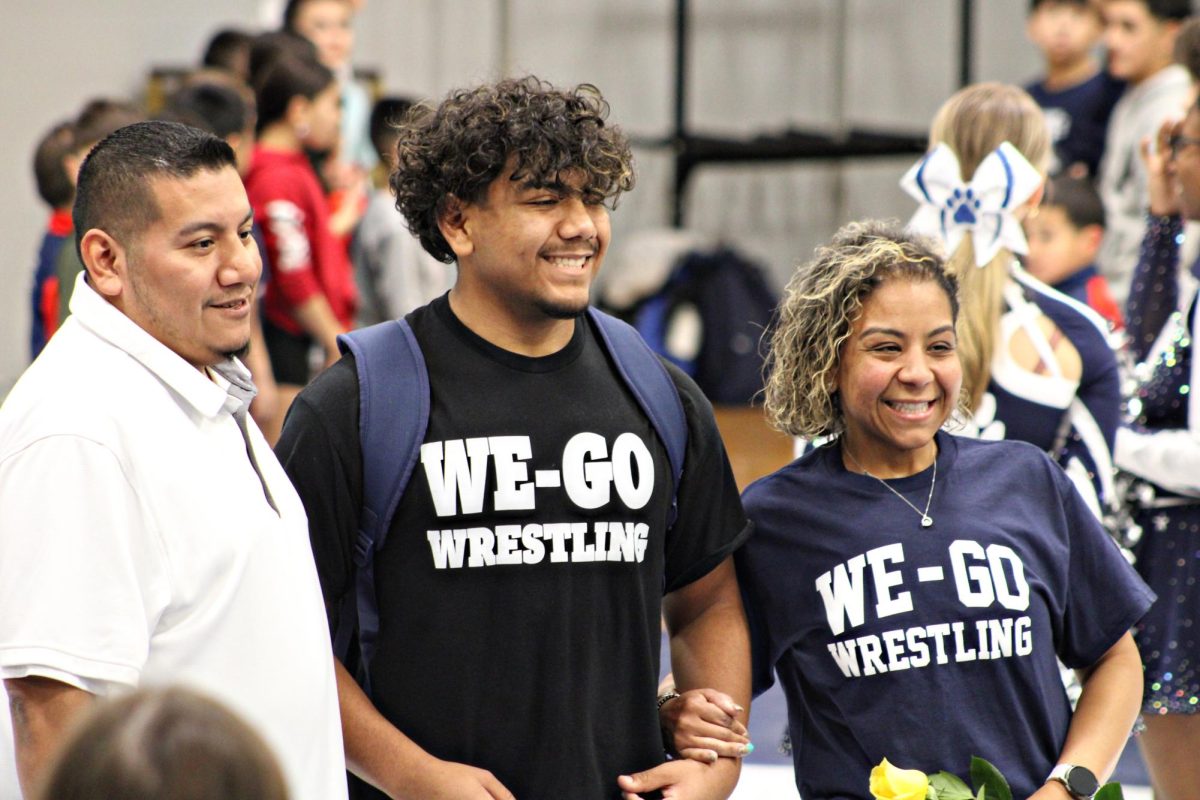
column 926, row 522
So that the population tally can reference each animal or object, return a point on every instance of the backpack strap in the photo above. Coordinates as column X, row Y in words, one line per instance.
column 653, row 389
column 393, row 388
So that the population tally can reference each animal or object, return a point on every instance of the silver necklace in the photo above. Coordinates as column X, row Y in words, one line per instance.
column 926, row 520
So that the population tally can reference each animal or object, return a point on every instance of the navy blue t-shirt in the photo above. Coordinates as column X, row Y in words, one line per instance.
column 928, row 645
column 1078, row 119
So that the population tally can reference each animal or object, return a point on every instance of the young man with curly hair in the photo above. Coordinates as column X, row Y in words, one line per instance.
column 526, row 568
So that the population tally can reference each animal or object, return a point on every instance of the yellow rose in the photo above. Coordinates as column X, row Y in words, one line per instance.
column 889, row 782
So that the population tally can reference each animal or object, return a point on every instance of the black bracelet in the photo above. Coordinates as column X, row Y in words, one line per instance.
column 666, row 697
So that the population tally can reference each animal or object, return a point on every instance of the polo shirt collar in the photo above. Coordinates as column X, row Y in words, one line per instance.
column 208, row 398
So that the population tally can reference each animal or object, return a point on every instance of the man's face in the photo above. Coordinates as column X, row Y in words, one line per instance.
column 189, row 277
column 1064, row 32
column 534, row 250
column 1139, row 44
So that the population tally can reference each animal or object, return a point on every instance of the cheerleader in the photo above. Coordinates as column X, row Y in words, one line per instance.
column 1161, row 446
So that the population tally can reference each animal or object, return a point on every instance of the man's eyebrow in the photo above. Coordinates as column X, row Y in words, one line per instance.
column 207, row 225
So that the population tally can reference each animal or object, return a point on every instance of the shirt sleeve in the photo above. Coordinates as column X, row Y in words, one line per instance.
column 755, row 603
column 1154, row 291
column 285, row 230
column 1169, row 458
column 711, row 523
column 1104, row 596
column 320, row 453
column 83, row 577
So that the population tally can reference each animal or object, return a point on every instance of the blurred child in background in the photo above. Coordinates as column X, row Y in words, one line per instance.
column 57, row 190
column 1076, row 94
column 1064, row 237
column 394, row 273
column 311, row 296
column 99, row 117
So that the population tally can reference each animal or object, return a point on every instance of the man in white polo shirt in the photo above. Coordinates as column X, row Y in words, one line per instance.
column 147, row 533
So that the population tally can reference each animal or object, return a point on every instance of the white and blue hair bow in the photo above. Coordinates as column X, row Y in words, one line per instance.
column 984, row 206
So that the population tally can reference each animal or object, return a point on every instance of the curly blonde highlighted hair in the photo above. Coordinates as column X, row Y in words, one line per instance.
column 821, row 302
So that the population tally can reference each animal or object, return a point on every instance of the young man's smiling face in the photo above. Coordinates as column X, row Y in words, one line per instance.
column 534, row 250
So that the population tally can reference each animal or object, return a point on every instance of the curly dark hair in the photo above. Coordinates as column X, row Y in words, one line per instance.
column 457, row 149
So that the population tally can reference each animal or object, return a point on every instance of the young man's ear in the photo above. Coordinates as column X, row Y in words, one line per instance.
column 454, row 222
column 104, row 259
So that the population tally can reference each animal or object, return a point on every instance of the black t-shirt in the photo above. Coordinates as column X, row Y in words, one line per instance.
column 521, row 582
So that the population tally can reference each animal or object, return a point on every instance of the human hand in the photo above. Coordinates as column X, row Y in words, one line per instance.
column 1161, row 181
column 447, row 780
column 682, row 780
column 702, row 724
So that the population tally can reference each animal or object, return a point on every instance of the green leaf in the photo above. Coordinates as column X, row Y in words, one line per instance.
column 982, row 793
column 1110, row 791
column 950, row 787
column 986, row 776
column 931, row 793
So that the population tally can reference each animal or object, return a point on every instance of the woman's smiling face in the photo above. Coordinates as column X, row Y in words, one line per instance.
column 898, row 376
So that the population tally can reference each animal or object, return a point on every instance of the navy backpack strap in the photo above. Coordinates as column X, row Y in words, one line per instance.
column 653, row 389
column 393, row 389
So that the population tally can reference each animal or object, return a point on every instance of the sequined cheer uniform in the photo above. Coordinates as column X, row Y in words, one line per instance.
column 1161, row 447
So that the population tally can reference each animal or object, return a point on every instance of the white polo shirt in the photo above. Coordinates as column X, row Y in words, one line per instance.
column 138, row 546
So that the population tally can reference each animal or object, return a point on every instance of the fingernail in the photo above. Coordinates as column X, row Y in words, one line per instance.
column 748, row 749
column 739, row 709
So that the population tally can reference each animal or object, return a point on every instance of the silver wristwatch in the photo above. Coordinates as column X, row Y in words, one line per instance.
column 1080, row 781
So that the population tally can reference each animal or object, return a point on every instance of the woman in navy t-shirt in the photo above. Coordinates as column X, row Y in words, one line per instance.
column 913, row 590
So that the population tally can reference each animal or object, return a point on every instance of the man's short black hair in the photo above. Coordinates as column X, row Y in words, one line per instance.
column 385, row 119
column 218, row 109
column 456, row 150
column 1078, row 198
column 53, row 183
column 114, row 192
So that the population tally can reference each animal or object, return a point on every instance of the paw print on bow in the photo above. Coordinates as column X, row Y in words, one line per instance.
column 984, row 206
column 963, row 206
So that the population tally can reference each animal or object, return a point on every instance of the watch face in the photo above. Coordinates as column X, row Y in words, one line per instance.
column 1081, row 782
